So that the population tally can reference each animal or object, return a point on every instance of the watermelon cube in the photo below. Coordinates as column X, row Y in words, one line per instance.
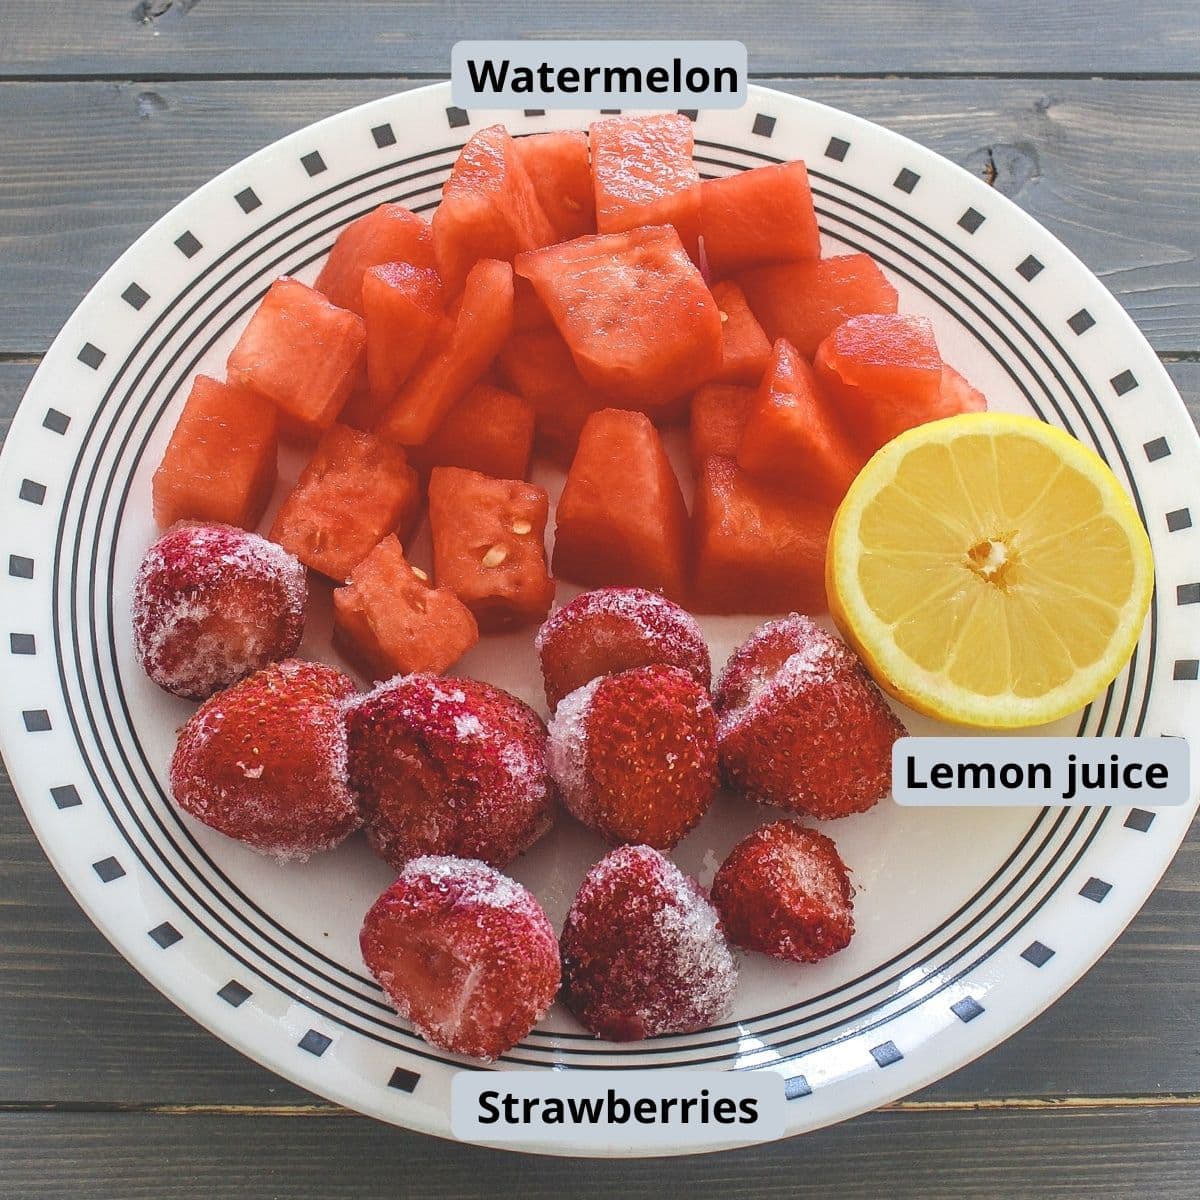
column 489, row 430
column 457, row 357
column 744, row 346
column 757, row 550
column 489, row 208
column 806, row 301
column 529, row 313
column 957, row 395
column 302, row 353
column 388, row 620
column 643, row 175
column 354, row 491
column 634, row 312
column 764, row 215
column 718, row 416
column 220, row 462
column 558, row 168
column 402, row 307
column 390, row 233
column 621, row 518
column 539, row 366
column 489, row 546
column 885, row 374
column 793, row 437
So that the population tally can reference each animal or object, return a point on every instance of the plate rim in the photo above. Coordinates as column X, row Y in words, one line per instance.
column 411, row 1116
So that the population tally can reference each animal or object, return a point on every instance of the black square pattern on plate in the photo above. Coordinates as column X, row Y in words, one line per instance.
column 1081, row 322
column 535, row 112
column 1126, row 381
column 20, row 567
column 1187, row 668
column 22, row 643
column 234, row 994
column 886, row 1053
column 165, row 935
column 66, row 796
column 610, row 112
column 315, row 1043
column 966, row 1009
column 1180, row 518
column 690, row 113
column 1187, row 593
column 1158, row 448
column 1095, row 889
column 189, row 244
column 837, row 148
column 312, row 162
column 90, row 356
column 763, row 125
column 1037, row 953
column 248, row 200
column 1139, row 819
column 796, row 1087
column 456, row 118
column 135, row 296
column 906, row 180
column 108, row 869
column 37, row 720
column 971, row 220
column 1029, row 268
column 34, row 493
column 384, row 136
column 55, row 421
column 404, row 1081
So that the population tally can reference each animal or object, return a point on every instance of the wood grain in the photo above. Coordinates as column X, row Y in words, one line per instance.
column 905, row 1155
column 379, row 37
column 1106, row 165
column 119, row 1094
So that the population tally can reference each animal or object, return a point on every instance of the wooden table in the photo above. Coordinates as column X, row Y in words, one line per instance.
column 1087, row 114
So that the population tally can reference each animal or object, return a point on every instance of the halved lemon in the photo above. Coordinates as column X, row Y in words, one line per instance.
column 990, row 570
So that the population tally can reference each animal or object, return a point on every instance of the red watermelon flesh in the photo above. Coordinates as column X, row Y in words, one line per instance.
column 793, row 438
column 643, row 175
column 489, row 208
column 806, row 301
column 885, row 374
column 558, row 167
column 634, row 311
column 391, row 233
column 764, row 215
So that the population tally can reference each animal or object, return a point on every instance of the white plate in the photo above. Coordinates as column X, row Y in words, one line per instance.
column 970, row 922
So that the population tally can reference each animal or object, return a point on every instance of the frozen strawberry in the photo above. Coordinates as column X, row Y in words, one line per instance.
column 449, row 766
column 785, row 891
column 615, row 629
column 212, row 604
column 464, row 953
column 642, row 949
column 801, row 723
column 634, row 755
column 265, row 761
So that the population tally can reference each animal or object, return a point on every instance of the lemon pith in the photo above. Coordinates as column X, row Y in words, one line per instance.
column 990, row 570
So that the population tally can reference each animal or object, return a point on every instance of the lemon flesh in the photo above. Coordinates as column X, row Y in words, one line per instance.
column 990, row 570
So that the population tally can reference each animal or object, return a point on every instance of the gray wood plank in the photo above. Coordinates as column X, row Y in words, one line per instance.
column 1020, row 1155
column 1104, row 164
column 385, row 37
column 14, row 379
